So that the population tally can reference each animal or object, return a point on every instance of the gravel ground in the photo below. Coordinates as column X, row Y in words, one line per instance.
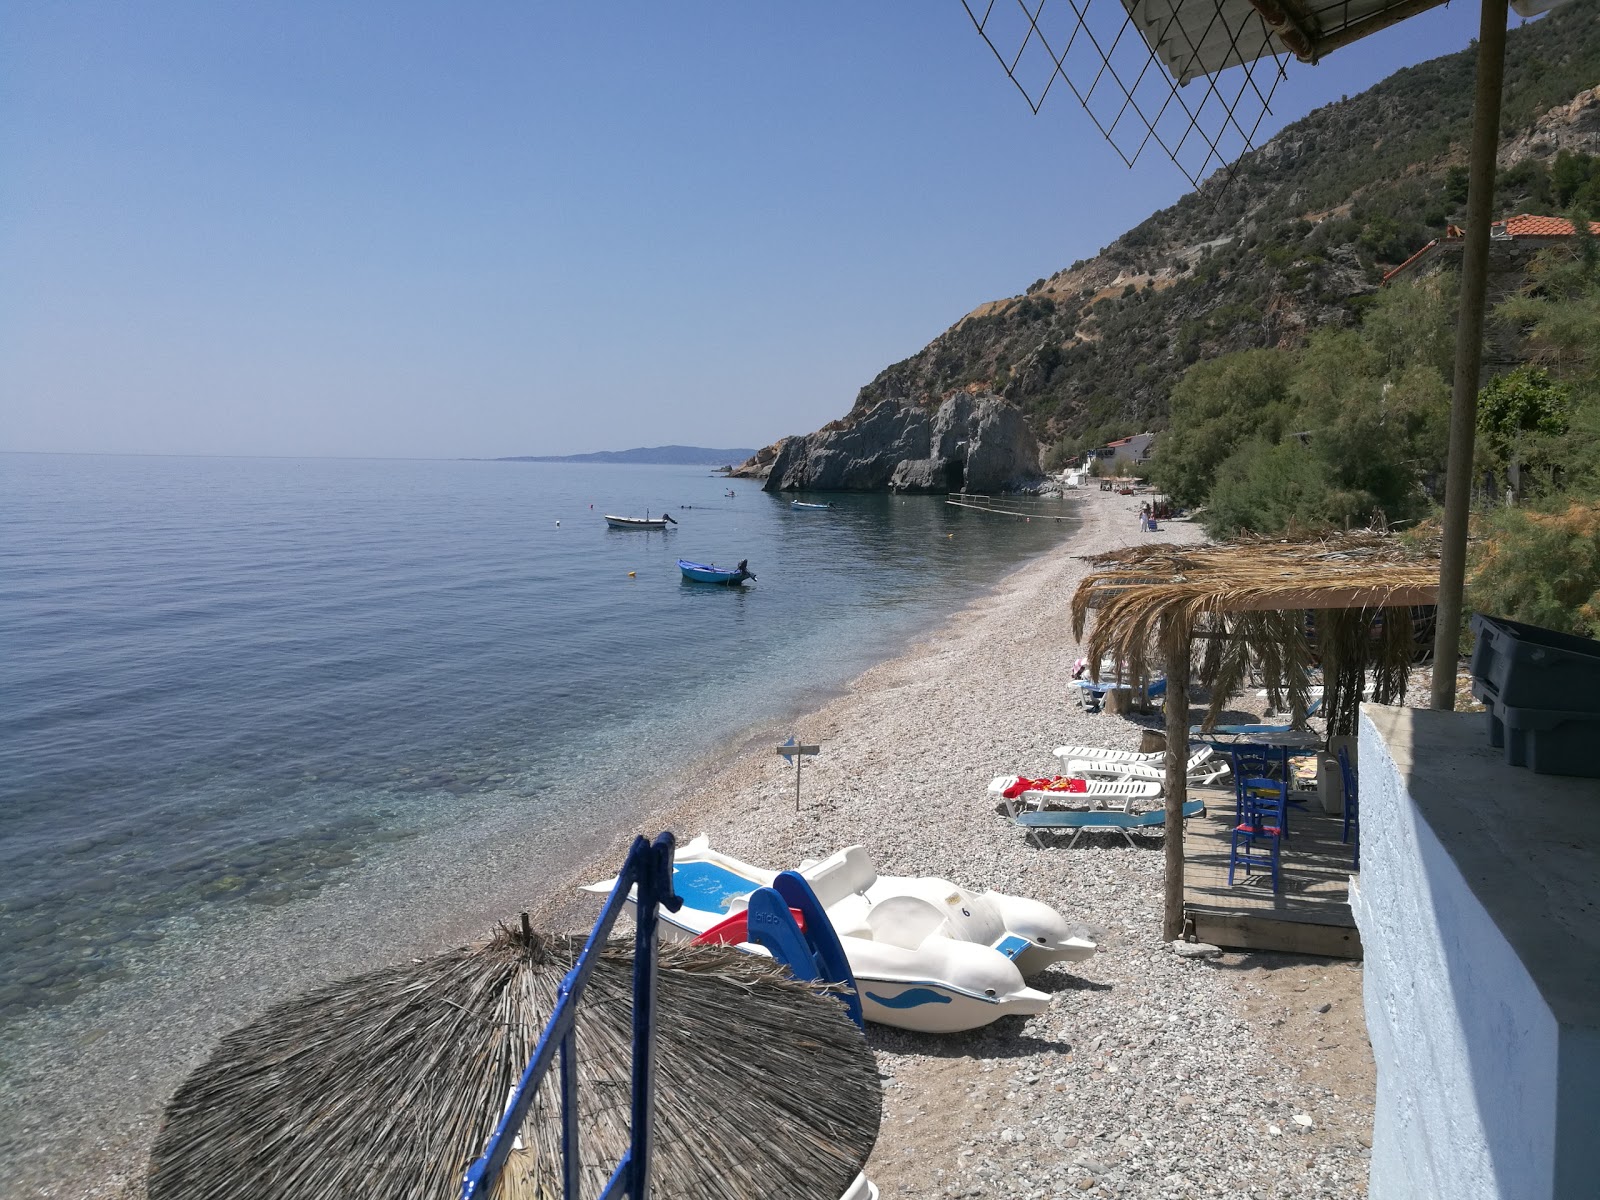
column 1151, row 1074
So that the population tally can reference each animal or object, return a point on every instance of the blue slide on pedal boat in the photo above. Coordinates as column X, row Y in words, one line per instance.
column 709, row 573
column 928, row 955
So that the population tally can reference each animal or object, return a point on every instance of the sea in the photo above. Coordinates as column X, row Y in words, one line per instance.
column 264, row 721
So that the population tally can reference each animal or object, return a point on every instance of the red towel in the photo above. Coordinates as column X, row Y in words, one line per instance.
column 1058, row 783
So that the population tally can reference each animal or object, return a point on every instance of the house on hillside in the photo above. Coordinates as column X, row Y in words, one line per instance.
column 1123, row 455
column 1513, row 244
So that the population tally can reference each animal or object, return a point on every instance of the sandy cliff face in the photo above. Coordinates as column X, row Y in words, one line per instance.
column 976, row 442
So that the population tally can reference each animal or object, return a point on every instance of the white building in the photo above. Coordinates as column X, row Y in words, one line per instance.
column 1125, row 454
column 1479, row 908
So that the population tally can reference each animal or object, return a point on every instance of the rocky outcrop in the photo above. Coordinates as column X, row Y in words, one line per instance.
column 971, row 442
column 759, row 464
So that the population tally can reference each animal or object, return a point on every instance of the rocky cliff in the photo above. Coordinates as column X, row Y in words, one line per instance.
column 971, row 441
column 1298, row 237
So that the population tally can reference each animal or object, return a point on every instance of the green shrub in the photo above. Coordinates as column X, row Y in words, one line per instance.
column 1267, row 488
column 1541, row 567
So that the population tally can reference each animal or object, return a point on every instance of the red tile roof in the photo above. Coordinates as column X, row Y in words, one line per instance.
column 1528, row 225
column 1523, row 225
column 1388, row 275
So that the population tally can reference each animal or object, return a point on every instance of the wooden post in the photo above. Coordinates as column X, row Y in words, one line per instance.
column 1469, row 348
column 1175, row 646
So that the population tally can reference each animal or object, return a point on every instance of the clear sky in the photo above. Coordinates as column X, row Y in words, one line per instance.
column 389, row 227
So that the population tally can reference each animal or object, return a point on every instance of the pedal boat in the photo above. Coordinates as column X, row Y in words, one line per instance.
column 927, row 954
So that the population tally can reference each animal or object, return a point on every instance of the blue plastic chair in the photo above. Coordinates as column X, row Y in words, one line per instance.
column 1352, row 806
column 1261, row 806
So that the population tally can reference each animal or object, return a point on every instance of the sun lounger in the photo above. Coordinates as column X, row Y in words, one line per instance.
column 1208, row 773
column 1097, row 793
column 1078, row 822
column 1204, row 765
column 1092, row 695
column 1200, row 755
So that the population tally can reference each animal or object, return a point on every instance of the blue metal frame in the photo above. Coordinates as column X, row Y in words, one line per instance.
column 649, row 867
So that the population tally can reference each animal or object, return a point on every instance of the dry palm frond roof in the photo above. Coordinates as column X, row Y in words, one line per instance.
column 1361, row 569
column 1250, row 595
column 388, row 1085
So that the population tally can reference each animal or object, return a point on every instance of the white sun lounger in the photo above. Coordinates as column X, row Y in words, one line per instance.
column 1204, row 767
column 1100, row 754
column 1098, row 793
column 1205, row 764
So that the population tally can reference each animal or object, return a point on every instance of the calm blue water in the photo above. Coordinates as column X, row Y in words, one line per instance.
column 230, row 684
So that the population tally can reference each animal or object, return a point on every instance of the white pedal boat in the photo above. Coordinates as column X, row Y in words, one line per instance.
column 927, row 955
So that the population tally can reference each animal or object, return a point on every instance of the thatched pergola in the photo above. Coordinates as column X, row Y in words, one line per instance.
column 1247, row 600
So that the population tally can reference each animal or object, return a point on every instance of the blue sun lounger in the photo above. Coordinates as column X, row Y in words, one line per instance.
column 1078, row 822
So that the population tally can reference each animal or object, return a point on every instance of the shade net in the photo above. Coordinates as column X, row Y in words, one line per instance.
column 1100, row 52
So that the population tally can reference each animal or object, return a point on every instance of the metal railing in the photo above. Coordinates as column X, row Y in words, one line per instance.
column 649, row 868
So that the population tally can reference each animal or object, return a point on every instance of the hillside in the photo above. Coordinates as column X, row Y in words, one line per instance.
column 682, row 456
column 1297, row 239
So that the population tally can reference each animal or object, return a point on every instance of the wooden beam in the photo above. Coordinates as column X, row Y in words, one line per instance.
column 1175, row 643
column 1469, row 349
column 1247, row 931
column 1392, row 15
column 1334, row 597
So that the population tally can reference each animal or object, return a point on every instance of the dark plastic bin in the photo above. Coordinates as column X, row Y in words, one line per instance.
column 1523, row 666
column 1547, row 741
column 1542, row 693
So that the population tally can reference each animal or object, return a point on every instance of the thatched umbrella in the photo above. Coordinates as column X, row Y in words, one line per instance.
column 388, row 1085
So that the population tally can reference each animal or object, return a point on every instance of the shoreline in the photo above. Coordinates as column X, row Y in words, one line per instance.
column 908, row 748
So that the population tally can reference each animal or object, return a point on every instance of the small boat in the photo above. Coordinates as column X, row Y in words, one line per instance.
column 803, row 504
column 709, row 573
column 638, row 522
column 927, row 954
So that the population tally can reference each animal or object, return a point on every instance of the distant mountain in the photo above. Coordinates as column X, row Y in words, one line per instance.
column 677, row 456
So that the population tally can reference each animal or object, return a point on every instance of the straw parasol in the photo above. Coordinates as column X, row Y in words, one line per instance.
column 389, row 1084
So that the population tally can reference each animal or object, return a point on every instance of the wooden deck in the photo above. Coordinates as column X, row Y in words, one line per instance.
column 1310, row 915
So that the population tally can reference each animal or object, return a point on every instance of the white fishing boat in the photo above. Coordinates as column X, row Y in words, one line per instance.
column 927, row 954
column 638, row 522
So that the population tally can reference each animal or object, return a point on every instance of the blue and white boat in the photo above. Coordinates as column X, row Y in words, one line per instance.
column 927, row 954
column 803, row 504
column 710, row 573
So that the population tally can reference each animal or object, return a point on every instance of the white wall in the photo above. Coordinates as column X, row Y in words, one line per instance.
column 1466, row 1048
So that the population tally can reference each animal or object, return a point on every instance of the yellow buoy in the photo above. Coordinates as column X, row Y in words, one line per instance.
column 633, row 575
